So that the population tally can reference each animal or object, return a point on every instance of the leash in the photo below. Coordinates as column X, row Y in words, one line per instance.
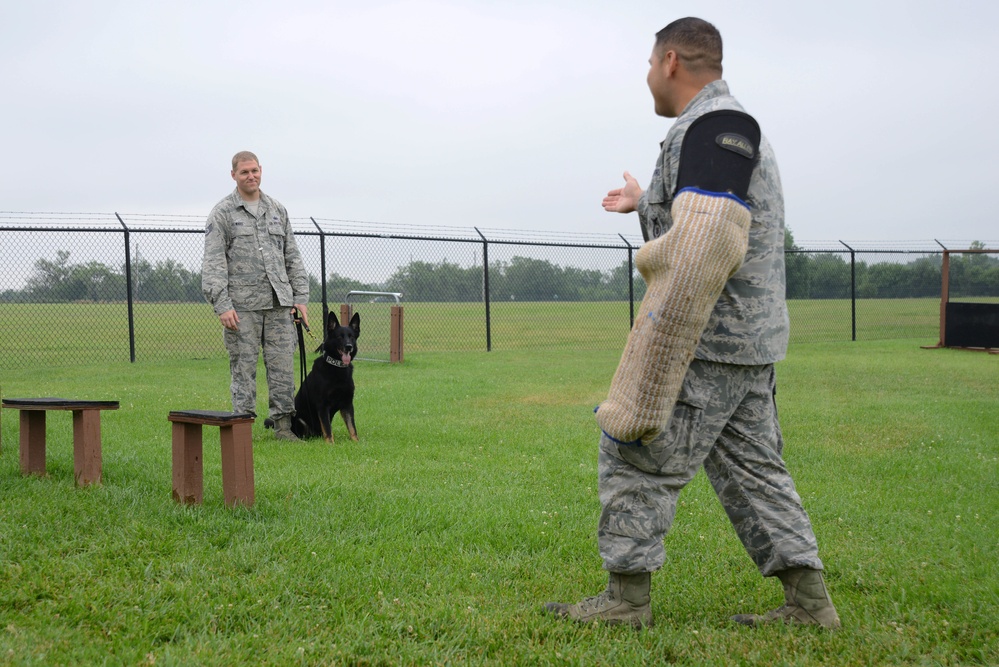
column 303, row 366
column 300, row 323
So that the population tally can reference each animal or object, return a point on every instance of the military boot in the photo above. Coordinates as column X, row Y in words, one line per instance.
column 806, row 602
column 625, row 601
column 282, row 429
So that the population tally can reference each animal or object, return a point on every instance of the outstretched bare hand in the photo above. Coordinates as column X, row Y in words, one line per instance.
column 623, row 200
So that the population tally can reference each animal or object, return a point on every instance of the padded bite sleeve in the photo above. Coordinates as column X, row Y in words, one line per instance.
column 685, row 270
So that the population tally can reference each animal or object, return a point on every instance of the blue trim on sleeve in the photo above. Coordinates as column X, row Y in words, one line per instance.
column 708, row 193
column 633, row 443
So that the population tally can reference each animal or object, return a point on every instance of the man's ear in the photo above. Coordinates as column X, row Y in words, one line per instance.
column 670, row 62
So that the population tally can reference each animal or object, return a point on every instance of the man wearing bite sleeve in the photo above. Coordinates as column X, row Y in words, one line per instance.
column 695, row 385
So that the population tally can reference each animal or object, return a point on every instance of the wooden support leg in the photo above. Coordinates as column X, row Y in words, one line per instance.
column 33, row 442
column 237, row 464
column 87, row 447
column 188, row 468
column 395, row 336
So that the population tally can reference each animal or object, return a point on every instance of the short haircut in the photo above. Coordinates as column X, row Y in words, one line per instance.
column 697, row 43
column 243, row 156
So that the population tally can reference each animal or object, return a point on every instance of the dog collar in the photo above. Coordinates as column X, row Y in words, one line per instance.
column 335, row 362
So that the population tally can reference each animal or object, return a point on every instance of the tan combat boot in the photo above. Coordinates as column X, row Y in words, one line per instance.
column 282, row 429
column 625, row 601
column 806, row 602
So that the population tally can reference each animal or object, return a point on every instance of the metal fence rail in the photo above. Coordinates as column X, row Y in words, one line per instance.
column 129, row 286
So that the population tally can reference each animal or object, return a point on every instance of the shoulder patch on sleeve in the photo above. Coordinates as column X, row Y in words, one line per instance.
column 719, row 152
column 737, row 143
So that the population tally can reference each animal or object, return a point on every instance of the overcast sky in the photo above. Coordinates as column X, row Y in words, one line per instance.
column 506, row 114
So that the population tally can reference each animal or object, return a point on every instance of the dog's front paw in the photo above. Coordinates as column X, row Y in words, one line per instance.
column 329, row 439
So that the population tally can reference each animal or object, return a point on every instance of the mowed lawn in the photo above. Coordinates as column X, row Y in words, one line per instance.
column 73, row 333
column 470, row 500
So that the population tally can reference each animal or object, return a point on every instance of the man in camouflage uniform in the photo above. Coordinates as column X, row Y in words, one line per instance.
column 253, row 276
column 721, row 413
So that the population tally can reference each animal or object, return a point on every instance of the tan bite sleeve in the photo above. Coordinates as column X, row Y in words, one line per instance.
column 685, row 270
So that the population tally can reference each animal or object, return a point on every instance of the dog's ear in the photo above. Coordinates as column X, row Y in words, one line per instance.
column 355, row 324
column 331, row 321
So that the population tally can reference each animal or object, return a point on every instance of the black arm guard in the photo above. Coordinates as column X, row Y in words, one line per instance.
column 719, row 152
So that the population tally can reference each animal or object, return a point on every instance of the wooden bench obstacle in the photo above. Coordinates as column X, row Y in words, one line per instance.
column 86, row 434
column 237, row 455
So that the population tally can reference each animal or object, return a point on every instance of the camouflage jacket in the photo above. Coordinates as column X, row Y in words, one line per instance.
column 248, row 259
column 749, row 324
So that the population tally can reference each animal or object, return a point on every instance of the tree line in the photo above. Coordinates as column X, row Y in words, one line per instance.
column 809, row 276
column 813, row 275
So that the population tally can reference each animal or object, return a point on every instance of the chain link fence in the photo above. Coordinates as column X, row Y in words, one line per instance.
column 114, row 287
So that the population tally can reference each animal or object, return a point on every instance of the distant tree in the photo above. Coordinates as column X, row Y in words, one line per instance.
column 617, row 282
column 530, row 279
column 61, row 281
column 338, row 286
column 798, row 268
column 168, row 281
column 444, row 281
column 829, row 277
column 583, row 285
column 49, row 282
column 974, row 274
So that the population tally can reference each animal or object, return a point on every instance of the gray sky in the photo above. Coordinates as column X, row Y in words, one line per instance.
column 506, row 114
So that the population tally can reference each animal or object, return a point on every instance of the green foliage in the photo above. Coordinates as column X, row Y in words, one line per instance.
column 471, row 500
column 337, row 288
column 446, row 282
column 521, row 279
column 168, row 280
column 827, row 275
column 60, row 281
column 810, row 275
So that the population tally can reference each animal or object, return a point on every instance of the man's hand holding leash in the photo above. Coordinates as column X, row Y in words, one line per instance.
column 298, row 313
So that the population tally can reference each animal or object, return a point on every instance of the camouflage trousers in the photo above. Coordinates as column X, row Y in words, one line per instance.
column 726, row 421
column 273, row 331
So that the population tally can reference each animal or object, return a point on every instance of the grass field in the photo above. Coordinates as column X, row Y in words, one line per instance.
column 471, row 499
column 63, row 333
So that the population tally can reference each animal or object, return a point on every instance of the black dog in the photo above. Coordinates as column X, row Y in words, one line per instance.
column 329, row 386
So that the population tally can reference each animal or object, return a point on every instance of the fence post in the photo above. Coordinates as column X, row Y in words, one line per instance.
column 395, row 336
column 485, row 288
column 853, row 292
column 631, row 285
column 322, row 266
column 944, row 292
column 128, row 289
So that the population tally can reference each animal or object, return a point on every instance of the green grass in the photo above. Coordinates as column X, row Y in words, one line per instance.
column 36, row 334
column 471, row 499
